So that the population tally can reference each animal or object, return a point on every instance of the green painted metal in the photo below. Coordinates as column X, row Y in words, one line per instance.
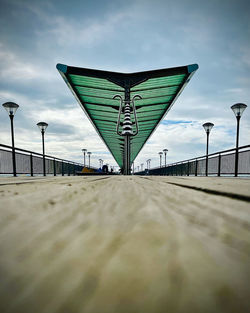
column 94, row 90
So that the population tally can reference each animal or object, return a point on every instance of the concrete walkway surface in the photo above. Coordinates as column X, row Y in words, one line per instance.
column 124, row 244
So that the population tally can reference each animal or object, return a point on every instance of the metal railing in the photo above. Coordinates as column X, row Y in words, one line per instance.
column 31, row 163
column 219, row 163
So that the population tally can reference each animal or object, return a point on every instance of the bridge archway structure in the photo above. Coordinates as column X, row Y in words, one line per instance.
column 126, row 108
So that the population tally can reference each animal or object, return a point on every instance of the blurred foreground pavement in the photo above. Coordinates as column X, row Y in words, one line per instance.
column 124, row 244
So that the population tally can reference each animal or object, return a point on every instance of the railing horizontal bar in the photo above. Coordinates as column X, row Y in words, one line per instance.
column 203, row 157
column 39, row 154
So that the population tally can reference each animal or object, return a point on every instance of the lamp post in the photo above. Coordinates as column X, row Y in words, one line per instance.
column 11, row 108
column 165, row 154
column 207, row 126
column 89, row 154
column 142, row 166
column 238, row 109
column 84, row 156
column 149, row 160
column 42, row 126
column 160, row 154
column 101, row 162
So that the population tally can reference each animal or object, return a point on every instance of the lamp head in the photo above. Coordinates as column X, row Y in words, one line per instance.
column 84, row 150
column 89, row 153
column 208, row 126
column 10, row 107
column 165, row 151
column 42, row 126
column 238, row 108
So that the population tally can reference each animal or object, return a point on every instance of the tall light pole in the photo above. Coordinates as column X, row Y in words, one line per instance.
column 165, row 154
column 238, row 109
column 89, row 154
column 207, row 126
column 160, row 154
column 84, row 156
column 142, row 166
column 101, row 162
column 149, row 160
column 11, row 108
column 42, row 126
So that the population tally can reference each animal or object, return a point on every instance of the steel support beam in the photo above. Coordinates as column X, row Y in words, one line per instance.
column 127, row 137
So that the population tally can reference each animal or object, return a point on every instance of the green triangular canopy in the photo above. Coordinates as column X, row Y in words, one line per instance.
column 95, row 89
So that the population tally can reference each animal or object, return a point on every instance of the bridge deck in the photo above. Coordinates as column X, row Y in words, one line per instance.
column 124, row 244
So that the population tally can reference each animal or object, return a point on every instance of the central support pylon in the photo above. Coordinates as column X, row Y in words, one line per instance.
column 127, row 126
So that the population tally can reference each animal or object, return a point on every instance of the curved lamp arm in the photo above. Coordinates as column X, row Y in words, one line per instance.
column 136, row 123
column 119, row 115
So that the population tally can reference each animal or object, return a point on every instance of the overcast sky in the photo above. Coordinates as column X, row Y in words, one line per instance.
column 124, row 36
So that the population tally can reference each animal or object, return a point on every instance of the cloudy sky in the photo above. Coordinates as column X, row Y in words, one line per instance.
column 124, row 36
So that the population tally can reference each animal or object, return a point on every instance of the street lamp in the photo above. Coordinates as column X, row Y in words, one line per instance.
column 11, row 108
column 160, row 154
column 89, row 154
column 100, row 160
column 84, row 156
column 207, row 126
column 149, row 160
column 42, row 126
column 165, row 153
column 238, row 109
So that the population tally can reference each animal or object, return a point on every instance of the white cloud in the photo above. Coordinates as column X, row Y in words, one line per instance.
column 70, row 32
column 14, row 68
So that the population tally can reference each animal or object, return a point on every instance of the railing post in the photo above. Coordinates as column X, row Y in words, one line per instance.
column 31, row 165
column 236, row 162
column 196, row 167
column 54, row 165
column 62, row 169
column 219, row 164
column 188, row 168
column 68, row 170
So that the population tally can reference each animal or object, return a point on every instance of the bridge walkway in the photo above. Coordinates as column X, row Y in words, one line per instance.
column 124, row 244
